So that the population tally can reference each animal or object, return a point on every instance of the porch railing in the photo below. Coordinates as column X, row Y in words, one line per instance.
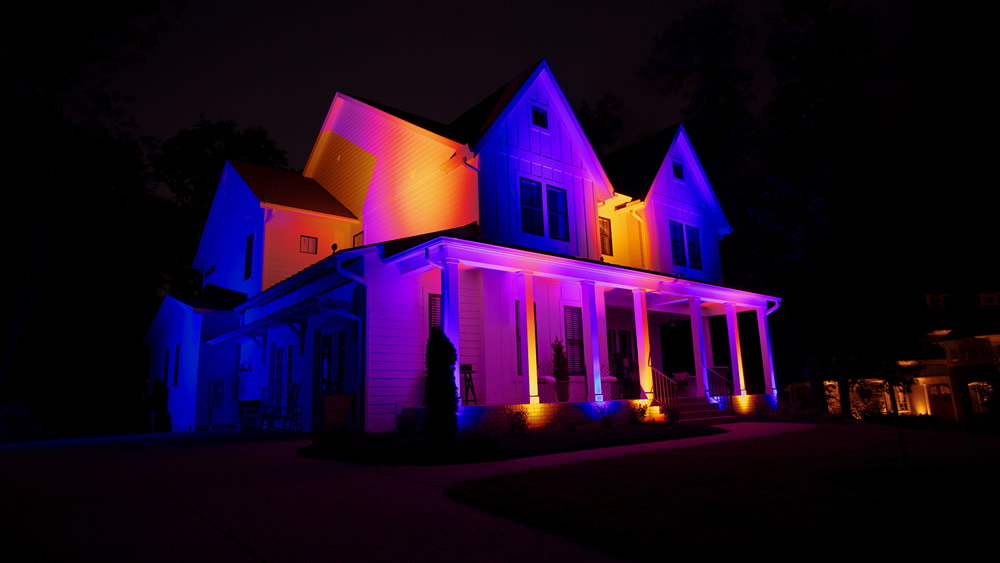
column 720, row 386
column 664, row 388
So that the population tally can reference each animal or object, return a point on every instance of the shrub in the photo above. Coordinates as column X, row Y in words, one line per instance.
column 517, row 420
column 603, row 414
column 560, row 363
column 407, row 423
column 673, row 414
column 636, row 412
column 441, row 418
column 567, row 422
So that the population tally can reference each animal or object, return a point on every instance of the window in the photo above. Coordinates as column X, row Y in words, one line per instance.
column 177, row 363
column 685, row 254
column 574, row 339
column 534, row 214
column 539, row 118
column 359, row 239
column 558, row 213
column 677, row 244
column 434, row 311
column 248, row 261
column 678, row 170
column 531, row 208
column 605, row 227
column 307, row 245
column 166, row 368
column 693, row 247
column 989, row 299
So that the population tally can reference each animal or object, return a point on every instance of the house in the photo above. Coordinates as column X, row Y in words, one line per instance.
column 954, row 367
column 398, row 224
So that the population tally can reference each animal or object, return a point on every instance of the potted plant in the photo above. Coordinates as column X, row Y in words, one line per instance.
column 560, row 370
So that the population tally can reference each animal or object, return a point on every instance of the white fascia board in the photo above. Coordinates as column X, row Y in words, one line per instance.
column 493, row 257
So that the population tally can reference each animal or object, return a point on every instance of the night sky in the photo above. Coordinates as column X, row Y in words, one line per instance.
column 279, row 68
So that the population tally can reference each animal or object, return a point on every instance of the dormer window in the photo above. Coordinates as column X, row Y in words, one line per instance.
column 678, row 170
column 539, row 118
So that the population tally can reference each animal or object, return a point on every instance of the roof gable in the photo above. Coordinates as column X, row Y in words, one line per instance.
column 542, row 76
column 648, row 165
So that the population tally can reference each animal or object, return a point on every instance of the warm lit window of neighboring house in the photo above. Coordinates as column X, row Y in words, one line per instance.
column 307, row 245
column 605, row 226
column 989, row 299
column 937, row 300
column 685, row 245
column 248, row 259
column 535, row 211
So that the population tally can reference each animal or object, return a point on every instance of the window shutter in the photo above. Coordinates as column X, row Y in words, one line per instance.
column 434, row 310
column 574, row 339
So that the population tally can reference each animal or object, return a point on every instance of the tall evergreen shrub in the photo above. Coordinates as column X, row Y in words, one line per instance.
column 441, row 418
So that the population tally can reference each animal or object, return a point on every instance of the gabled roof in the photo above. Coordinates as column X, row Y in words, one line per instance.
column 289, row 189
column 633, row 168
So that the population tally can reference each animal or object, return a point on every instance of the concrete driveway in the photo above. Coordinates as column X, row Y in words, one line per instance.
column 233, row 497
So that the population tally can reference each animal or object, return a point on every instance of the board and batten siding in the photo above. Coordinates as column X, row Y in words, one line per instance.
column 518, row 149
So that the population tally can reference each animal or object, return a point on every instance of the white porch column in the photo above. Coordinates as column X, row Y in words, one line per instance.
column 449, row 314
column 736, row 357
column 765, row 351
column 591, row 340
column 642, row 342
column 529, row 355
column 698, row 343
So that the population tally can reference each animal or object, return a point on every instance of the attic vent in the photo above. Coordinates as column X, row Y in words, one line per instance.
column 539, row 117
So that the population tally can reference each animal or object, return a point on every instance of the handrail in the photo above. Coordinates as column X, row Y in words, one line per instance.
column 720, row 388
column 664, row 388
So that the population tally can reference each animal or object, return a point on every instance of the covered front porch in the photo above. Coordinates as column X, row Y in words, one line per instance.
column 612, row 322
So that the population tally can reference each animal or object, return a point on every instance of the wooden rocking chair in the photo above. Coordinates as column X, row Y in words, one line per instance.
column 286, row 417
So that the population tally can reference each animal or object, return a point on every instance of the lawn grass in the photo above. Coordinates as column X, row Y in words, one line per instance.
column 812, row 492
column 392, row 448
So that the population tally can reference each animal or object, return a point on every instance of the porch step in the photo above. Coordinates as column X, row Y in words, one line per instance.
column 696, row 410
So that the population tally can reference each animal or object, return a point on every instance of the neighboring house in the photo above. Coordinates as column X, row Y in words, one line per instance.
column 399, row 224
column 955, row 368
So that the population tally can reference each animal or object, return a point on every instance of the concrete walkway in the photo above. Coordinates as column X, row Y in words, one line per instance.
column 234, row 497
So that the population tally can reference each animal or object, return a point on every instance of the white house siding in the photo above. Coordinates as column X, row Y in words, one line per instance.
column 396, row 341
column 688, row 202
column 234, row 215
column 281, row 255
column 518, row 149
column 217, row 362
column 413, row 190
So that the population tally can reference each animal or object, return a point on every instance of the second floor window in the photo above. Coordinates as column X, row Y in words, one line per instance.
column 307, row 244
column 248, row 261
column 685, row 245
column 606, row 246
column 558, row 213
column 531, row 208
column 536, row 212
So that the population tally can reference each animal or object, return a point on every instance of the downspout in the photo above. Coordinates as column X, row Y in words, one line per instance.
column 362, row 380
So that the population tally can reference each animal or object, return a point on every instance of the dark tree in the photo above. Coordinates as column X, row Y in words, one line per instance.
column 441, row 419
column 602, row 123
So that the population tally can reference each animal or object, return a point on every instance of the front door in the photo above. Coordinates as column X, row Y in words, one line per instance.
column 940, row 401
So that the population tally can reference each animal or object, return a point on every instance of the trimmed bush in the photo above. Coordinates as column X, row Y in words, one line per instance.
column 441, row 418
